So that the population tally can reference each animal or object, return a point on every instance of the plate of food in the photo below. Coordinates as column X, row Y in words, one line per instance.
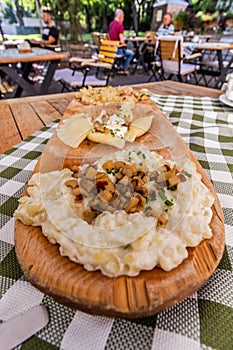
column 124, row 228
column 224, row 99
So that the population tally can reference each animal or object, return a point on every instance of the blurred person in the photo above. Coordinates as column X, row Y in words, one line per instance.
column 222, row 21
column 116, row 32
column 166, row 28
column 50, row 33
column 50, row 38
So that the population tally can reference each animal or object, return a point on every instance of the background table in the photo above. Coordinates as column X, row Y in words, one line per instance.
column 222, row 67
column 10, row 57
column 202, row 321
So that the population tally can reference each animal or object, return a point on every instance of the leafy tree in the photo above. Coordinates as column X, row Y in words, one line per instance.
column 205, row 6
column 97, row 14
column 69, row 11
column 19, row 12
column 89, row 15
column 8, row 13
column 145, row 13
column 224, row 5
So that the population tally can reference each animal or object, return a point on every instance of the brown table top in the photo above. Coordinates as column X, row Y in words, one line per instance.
column 136, row 39
column 215, row 46
column 38, row 54
column 21, row 117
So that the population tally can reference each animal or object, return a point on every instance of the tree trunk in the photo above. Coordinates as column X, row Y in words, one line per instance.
column 105, row 22
column 75, row 27
column 19, row 13
column 39, row 15
column 88, row 18
column 135, row 17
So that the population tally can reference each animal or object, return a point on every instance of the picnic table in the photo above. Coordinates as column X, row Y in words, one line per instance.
column 9, row 59
column 218, row 67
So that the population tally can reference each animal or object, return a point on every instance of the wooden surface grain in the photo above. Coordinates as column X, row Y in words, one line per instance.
column 15, row 57
column 215, row 46
column 131, row 297
column 21, row 117
column 37, row 111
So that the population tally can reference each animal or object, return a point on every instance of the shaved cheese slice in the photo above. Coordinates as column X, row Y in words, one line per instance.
column 126, row 110
column 74, row 130
column 138, row 128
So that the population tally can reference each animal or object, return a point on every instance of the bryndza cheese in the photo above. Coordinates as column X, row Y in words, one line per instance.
column 115, row 236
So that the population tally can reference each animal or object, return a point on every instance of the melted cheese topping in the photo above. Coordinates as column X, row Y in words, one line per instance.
column 119, row 243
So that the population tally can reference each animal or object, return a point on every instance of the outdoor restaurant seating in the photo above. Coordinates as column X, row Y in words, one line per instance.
column 216, row 62
column 78, row 75
column 97, row 38
column 145, row 52
column 170, row 53
column 81, row 50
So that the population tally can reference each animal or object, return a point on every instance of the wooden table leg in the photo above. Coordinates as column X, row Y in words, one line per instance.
column 223, row 72
column 49, row 76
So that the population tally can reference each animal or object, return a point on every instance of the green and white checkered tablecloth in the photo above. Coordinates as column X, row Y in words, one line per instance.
column 202, row 321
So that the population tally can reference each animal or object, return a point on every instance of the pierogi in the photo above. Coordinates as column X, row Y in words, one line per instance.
column 111, row 124
column 122, row 215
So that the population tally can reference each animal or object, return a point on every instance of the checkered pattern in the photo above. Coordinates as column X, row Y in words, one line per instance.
column 202, row 321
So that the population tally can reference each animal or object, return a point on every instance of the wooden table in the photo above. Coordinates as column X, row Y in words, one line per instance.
column 135, row 39
column 202, row 37
column 10, row 57
column 20, row 117
column 219, row 47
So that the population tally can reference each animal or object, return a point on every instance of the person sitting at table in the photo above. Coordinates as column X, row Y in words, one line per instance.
column 50, row 34
column 166, row 28
column 116, row 32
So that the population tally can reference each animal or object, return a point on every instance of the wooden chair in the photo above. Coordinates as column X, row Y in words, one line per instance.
column 170, row 51
column 97, row 38
column 83, row 51
column 150, row 36
column 81, row 55
column 77, row 77
column 104, row 36
column 146, row 52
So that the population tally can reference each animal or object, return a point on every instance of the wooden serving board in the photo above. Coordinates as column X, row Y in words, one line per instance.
column 131, row 297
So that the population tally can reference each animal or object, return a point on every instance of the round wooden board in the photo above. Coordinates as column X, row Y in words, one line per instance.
column 131, row 297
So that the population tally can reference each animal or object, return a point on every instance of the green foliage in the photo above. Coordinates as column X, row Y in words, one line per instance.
column 229, row 15
column 8, row 13
column 75, row 18
column 185, row 20
column 224, row 6
column 205, row 6
column 182, row 20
